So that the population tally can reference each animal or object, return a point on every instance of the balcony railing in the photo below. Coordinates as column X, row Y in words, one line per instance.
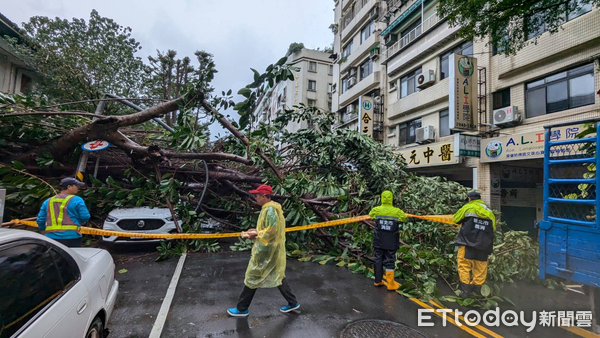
column 410, row 37
column 347, row 17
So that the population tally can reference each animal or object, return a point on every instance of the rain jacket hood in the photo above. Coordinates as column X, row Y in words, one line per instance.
column 266, row 268
column 387, row 198
column 387, row 208
column 475, row 208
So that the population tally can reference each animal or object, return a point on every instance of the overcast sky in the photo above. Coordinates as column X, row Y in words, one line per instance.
column 239, row 33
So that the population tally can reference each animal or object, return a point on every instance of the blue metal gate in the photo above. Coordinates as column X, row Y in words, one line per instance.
column 570, row 230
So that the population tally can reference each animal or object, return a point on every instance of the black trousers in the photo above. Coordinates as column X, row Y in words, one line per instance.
column 70, row 242
column 248, row 294
column 383, row 258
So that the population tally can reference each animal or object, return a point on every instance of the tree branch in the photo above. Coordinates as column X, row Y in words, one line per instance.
column 77, row 113
column 225, row 123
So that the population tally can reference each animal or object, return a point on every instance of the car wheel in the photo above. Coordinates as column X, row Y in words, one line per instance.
column 96, row 330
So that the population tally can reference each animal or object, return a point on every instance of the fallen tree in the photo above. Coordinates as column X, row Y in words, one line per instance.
column 318, row 174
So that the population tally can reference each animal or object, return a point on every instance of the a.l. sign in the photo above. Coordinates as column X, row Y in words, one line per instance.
column 462, row 92
column 96, row 145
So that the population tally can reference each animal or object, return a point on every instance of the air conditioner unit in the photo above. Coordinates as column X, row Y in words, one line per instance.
column 351, row 82
column 426, row 79
column 507, row 116
column 425, row 134
column 391, row 39
column 374, row 13
column 374, row 53
column 350, row 109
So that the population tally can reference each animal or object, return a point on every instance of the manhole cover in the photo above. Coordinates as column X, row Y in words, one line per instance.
column 379, row 329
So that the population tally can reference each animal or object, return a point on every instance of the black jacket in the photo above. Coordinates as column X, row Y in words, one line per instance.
column 386, row 235
column 477, row 235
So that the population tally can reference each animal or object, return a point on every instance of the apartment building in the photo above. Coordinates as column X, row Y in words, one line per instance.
column 16, row 76
column 416, row 56
column 357, row 72
column 312, row 86
column 552, row 80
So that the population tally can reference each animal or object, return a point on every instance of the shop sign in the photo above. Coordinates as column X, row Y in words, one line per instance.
column 366, row 115
column 469, row 145
column 462, row 92
column 434, row 154
column 525, row 146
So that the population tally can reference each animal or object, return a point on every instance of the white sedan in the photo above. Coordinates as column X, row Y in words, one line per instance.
column 141, row 220
column 49, row 290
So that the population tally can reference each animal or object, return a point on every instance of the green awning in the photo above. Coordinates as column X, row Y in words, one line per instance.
column 402, row 17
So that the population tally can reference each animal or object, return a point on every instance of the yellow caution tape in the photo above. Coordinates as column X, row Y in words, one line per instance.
column 108, row 233
column 435, row 218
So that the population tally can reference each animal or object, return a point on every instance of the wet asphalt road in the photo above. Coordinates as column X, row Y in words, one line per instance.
column 330, row 297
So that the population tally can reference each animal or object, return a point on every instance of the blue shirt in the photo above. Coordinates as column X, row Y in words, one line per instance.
column 76, row 210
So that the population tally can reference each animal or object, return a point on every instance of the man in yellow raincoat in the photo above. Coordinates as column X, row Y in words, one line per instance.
column 266, row 268
column 475, row 242
column 386, row 239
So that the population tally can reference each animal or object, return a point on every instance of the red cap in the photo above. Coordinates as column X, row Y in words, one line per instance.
column 263, row 189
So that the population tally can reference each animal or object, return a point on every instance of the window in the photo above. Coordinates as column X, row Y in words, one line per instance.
column 561, row 91
column 311, row 103
column 312, row 66
column 366, row 32
column 445, row 123
column 393, row 85
column 391, row 130
column 347, row 50
column 408, row 132
column 366, row 69
column 345, row 84
column 578, row 8
column 535, row 24
column 409, row 83
column 330, row 70
column 498, row 47
column 25, row 83
column 330, row 88
column 463, row 49
column 329, row 105
column 32, row 277
column 501, row 98
column 312, row 85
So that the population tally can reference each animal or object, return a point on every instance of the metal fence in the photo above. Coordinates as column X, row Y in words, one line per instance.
column 570, row 180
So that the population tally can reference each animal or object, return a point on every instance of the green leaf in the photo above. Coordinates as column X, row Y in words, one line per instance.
column 256, row 74
column 18, row 165
column 245, row 92
column 485, row 290
column 122, row 271
column 282, row 61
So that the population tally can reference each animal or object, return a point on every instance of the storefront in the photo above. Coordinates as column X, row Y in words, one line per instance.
column 515, row 166
column 454, row 159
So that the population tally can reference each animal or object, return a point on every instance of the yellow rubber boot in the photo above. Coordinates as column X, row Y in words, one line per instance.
column 392, row 285
column 382, row 283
